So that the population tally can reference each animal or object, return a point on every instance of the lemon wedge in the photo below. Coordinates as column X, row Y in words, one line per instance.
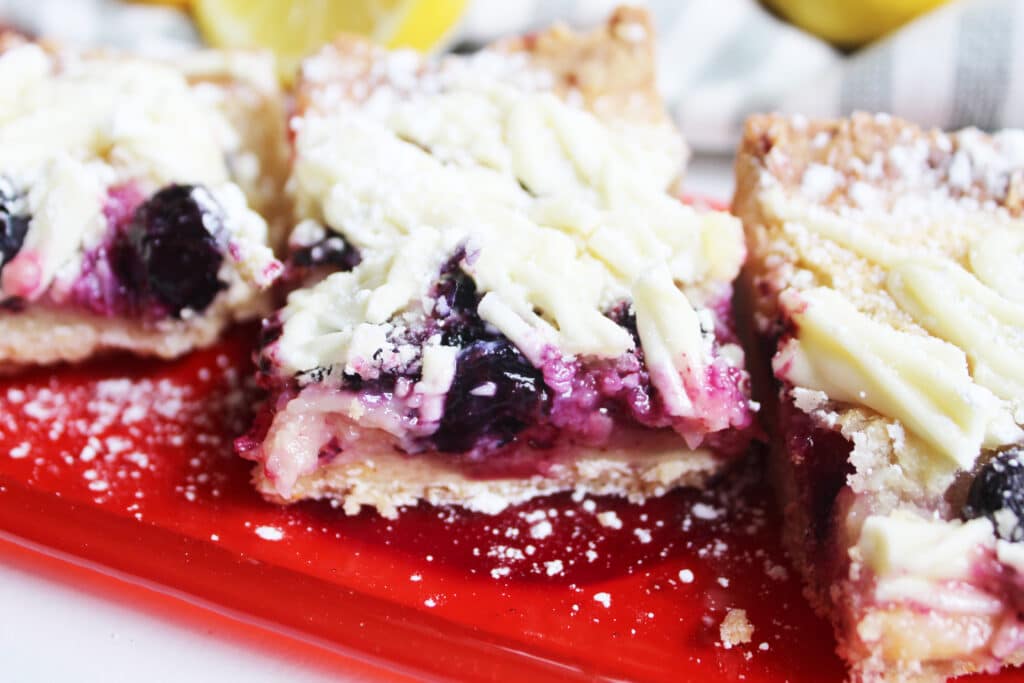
column 294, row 29
column 851, row 23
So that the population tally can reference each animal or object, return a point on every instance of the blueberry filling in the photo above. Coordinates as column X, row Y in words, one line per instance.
column 997, row 493
column 384, row 383
column 331, row 251
column 99, row 286
column 496, row 393
column 271, row 330
column 315, row 375
column 455, row 303
column 13, row 223
column 14, row 304
column 172, row 251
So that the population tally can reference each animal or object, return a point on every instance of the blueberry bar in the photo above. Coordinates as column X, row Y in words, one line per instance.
column 501, row 296
column 130, row 199
column 885, row 281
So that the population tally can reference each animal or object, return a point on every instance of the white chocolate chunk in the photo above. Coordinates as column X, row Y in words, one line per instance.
column 669, row 331
column 247, row 232
column 559, row 212
column 1011, row 554
column 414, row 266
column 904, row 544
column 529, row 339
column 132, row 114
column 919, row 380
column 438, row 374
column 951, row 304
column 322, row 320
column 438, row 369
column 536, row 149
column 723, row 245
column 74, row 126
column 64, row 207
column 367, row 340
column 998, row 261
column 922, row 592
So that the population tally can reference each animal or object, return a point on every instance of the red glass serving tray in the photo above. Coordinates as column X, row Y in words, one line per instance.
column 126, row 464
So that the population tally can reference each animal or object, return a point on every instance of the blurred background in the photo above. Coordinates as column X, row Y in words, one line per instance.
column 948, row 63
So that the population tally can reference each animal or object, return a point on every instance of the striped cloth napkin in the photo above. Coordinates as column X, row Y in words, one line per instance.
column 719, row 60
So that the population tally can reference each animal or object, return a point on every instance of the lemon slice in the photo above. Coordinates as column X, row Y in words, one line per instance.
column 851, row 24
column 294, row 29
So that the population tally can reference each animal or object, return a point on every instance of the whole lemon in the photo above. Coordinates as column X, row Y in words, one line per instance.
column 851, row 23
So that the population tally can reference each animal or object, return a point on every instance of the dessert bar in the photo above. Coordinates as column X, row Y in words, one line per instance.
column 501, row 295
column 127, row 197
column 885, row 281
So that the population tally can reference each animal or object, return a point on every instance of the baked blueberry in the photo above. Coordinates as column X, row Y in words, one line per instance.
column 997, row 492
column 13, row 223
column 456, row 300
column 624, row 315
column 174, row 251
column 496, row 393
column 331, row 251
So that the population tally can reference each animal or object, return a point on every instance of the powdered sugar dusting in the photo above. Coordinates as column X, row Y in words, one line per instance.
column 269, row 533
column 110, row 430
column 609, row 519
column 624, row 574
column 540, row 530
column 553, row 568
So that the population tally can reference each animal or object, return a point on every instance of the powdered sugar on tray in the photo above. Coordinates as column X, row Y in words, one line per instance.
column 114, row 431
column 128, row 435
column 683, row 545
column 269, row 533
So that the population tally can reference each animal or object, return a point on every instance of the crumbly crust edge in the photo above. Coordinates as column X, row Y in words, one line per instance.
column 390, row 481
column 41, row 336
column 611, row 68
